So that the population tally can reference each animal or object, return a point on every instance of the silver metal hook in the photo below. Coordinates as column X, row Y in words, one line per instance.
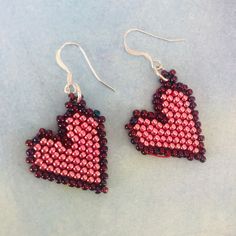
column 70, row 83
column 155, row 64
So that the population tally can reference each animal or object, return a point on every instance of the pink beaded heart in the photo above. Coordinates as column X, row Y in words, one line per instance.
column 173, row 129
column 77, row 154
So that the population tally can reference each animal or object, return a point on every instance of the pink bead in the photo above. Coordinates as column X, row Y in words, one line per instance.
column 45, row 149
column 189, row 142
column 161, row 132
column 181, row 134
column 176, row 99
column 173, row 127
column 37, row 147
column 82, row 141
column 45, row 156
column 186, row 104
column 175, row 93
column 88, row 137
column 82, row 148
column 139, row 134
column 171, row 106
column 194, row 137
column 170, row 98
column 179, row 128
column 165, row 110
column 196, row 150
column 69, row 159
column 154, row 131
column 77, row 176
column 177, row 115
column 159, row 144
column 88, row 129
column 64, row 172
column 163, row 139
column 140, row 120
column 171, row 121
column 177, row 146
column 188, row 135
column 184, row 98
column 84, row 177
column 152, row 143
column 82, row 155
column 190, row 148
column 96, row 153
column 159, row 125
column 175, row 109
column 182, row 109
column 77, row 169
column 63, row 165
column 94, row 132
column 94, row 124
column 171, row 145
column 90, row 120
column 182, row 141
column 167, row 133
column 83, row 163
column 84, row 125
column 50, row 168
column 49, row 161
column 56, row 163
column 147, row 122
column 89, row 143
column 156, row 138
column 89, row 157
column 191, row 124
column 136, row 127
column 180, row 104
column 82, row 133
column 145, row 134
column 90, row 172
column 37, row 155
column 165, row 145
column 83, row 118
column 62, row 157
column 89, row 165
column 141, row 140
column 166, row 126
column 181, row 94
column 174, row 133
column 96, row 174
column 43, row 141
column 75, row 139
column 193, row 130
column 91, row 179
column 169, row 139
column 77, row 130
column 97, row 180
column 95, row 160
column 176, row 140
column 61, row 149
column 184, row 147
column 154, row 122
column 55, row 155
column 150, row 137
column 69, row 127
column 57, row 171
column 76, row 161
column 58, row 144
column 89, row 150
column 96, row 146
column 185, row 123
column 187, row 129
column 75, row 146
column 142, row 128
column 95, row 139
column 83, row 171
column 39, row 162
column 165, row 104
column 70, row 134
column 68, row 152
column 76, row 115
column 196, row 143
column 168, row 91
column 163, row 96
column 184, row 115
column 178, row 122
column 188, row 111
column 69, row 120
column 71, row 174
column 190, row 117
column 70, row 166
column 44, row 166
column 52, row 150
column 96, row 167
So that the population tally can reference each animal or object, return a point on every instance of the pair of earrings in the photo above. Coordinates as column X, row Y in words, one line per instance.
column 77, row 154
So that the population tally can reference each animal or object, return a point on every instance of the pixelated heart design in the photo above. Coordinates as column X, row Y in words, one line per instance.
column 77, row 154
column 173, row 129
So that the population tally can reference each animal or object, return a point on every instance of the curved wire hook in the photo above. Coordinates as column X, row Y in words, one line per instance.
column 155, row 64
column 70, row 82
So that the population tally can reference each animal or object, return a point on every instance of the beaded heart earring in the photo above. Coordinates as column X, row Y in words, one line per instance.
column 76, row 154
column 173, row 129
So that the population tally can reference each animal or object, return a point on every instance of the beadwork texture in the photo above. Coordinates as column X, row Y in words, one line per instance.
column 76, row 155
column 173, row 129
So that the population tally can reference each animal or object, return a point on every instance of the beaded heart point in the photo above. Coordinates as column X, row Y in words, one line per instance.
column 76, row 155
column 173, row 129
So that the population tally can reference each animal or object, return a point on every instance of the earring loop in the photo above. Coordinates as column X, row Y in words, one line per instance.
column 155, row 64
column 70, row 82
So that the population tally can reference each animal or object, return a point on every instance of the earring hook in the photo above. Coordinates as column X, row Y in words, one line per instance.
column 155, row 64
column 70, row 83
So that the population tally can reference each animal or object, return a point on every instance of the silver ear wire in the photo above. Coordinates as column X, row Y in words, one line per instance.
column 155, row 64
column 70, row 83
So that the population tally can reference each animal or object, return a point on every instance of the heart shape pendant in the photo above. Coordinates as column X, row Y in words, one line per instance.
column 76, row 155
column 173, row 129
